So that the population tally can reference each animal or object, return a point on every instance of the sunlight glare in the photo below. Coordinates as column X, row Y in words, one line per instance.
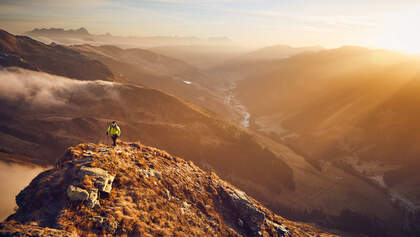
column 402, row 34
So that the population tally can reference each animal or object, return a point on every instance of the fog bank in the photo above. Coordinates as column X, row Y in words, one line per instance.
column 14, row 178
column 44, row 90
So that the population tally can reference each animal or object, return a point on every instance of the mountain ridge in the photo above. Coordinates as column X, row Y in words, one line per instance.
column 59, row 31
column 25, row 52
column 82, row 36
column 277, row 52
column 111, row 63
column 132, row 189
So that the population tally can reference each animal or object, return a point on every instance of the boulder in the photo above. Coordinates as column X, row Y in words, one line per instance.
column 101, row 178
column 83, row 161
column 251, row 216
column 279, row 229
column 77, row 194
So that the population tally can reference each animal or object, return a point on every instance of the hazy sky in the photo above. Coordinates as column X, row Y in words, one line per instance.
column 330, row 23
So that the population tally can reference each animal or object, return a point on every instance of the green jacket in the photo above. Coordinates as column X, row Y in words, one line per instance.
column 113, row 130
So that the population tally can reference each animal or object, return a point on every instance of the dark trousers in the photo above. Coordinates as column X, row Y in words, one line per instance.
column 114, row 139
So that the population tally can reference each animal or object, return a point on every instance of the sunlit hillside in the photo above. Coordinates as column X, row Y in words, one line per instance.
column 310, row 109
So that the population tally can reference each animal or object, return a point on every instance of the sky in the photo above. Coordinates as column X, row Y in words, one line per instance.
column 329, row 23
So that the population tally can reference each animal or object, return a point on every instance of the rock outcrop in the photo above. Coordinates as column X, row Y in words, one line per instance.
column 77, row 194
column 248, row 213
column 137, row 190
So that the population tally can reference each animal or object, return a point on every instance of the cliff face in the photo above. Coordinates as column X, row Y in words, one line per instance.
column 137, row 190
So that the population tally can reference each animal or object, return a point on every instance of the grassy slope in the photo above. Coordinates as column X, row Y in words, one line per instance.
column 197, row 203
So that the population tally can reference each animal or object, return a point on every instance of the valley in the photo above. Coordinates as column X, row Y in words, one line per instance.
column 227, row 118
column 374, row 173
column 319, row 119
column 318, row 145
column 239, row 109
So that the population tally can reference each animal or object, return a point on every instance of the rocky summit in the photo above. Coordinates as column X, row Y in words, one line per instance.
column 136, row 190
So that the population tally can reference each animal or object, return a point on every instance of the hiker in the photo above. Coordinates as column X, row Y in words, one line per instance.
column 114, row 131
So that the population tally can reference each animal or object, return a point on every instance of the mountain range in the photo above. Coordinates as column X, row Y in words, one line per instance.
column 331, row 137
column 43, row 114
column 82, row 36
column 81, row 32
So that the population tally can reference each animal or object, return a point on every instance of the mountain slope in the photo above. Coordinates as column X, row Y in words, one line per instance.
column 256, row 62
column 145, row 60
column 350, row 112
column 201, row 56
column 276, row 52
column 138, row 190
column 43, row 114
column 349, row 89
column 110, row 63
column 22, row 51
column 144, row 67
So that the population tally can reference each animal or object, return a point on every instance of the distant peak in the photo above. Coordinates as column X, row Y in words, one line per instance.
column 58, row 31
column 83, row 29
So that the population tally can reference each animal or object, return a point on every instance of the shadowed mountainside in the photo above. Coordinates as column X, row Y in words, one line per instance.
column 137, row 66
column 144, row 67
column 22, row 51
column 144, row 60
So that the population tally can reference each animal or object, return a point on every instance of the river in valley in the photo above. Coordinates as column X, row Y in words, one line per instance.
column 235, row 104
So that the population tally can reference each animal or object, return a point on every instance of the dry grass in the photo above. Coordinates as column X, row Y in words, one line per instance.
column 153, row 194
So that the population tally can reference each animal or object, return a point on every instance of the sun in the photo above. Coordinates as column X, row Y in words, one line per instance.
column 401, row 33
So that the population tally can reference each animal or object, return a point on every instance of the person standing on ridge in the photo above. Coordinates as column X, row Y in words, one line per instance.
column 114, row 131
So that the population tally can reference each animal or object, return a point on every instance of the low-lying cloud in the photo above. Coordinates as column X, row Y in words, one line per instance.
column 41, row 89
column 14, row 178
